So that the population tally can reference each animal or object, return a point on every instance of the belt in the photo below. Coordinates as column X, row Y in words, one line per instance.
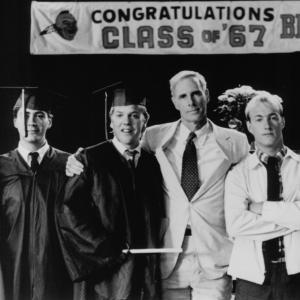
column 188, row 231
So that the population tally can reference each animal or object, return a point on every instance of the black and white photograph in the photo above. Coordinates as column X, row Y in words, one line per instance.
column 149, row 150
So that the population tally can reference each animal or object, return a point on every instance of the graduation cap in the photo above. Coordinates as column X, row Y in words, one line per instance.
column 120, row 94
column 34, row 97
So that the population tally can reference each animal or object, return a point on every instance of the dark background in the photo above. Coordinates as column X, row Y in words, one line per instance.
column 80, row 122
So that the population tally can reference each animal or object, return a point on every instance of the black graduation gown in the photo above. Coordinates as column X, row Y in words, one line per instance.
column 109, row 208
column 31, row 257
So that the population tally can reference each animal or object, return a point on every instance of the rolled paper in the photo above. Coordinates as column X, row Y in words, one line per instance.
column 153, row 250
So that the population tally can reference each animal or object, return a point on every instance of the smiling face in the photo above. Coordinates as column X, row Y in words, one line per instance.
column 266, row 124
column 128, row 124
column 38, row 122
column 190, row 99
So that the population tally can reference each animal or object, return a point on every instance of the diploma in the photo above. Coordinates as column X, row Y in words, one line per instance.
column 152, row 250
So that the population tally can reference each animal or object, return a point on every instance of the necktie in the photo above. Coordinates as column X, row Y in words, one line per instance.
column 272, row 249
column 131, row 157
column 273, row 179
column 34, row 161
column 189, row 175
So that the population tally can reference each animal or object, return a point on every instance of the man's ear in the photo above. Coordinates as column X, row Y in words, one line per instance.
column 207, row 95
column 174, row 102
column 249, row 127
column 50, row 122
column 15, row 118
column 144, row 127
column 283, row 122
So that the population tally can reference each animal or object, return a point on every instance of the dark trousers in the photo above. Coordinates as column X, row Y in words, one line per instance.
column 279, row 286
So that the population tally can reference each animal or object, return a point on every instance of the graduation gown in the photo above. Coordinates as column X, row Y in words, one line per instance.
column 31, row 257
column 110, row 207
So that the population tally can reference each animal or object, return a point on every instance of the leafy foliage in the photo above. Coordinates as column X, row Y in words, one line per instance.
column 231, row 107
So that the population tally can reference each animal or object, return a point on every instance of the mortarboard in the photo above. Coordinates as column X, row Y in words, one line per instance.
column 33, row 97
column 120, row 94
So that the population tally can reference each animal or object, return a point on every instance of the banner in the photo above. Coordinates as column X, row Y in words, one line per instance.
column 209, row 27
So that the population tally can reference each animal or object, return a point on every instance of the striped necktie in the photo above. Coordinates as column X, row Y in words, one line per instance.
column 131, row 157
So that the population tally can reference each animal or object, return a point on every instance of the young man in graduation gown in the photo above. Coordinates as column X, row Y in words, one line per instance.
column 115, row 204
column 31, row 178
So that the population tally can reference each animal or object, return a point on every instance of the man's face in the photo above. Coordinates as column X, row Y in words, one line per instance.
column 128, row 124
column 38, row 122
column 190, row 99
column 266, row 125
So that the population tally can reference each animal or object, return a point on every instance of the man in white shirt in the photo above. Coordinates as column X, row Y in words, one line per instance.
column 31, row 178
column 194, row 147
column 262, row 209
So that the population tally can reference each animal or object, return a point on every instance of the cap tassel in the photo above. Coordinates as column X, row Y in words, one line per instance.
column 24, row 112
column 106, row 115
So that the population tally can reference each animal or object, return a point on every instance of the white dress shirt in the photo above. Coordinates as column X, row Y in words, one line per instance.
column 206, row 148
column 122, row 149
column 25, row 153
column 205, row 211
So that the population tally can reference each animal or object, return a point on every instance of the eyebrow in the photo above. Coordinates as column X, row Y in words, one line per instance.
column 196, row 90
column 271, row 114
column 35, row 110
column 126, row 112
column 40, row 112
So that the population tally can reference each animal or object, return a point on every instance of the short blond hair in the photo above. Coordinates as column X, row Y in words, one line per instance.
column 264, row 96
column 186, row 74
column 142, row 109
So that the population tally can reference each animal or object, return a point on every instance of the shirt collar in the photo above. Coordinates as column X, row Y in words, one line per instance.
column 183, row 131
column 25, row 153
column 254, row 160
column 263, row 157
column 121, row 148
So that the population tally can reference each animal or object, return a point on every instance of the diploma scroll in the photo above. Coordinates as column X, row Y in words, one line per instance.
column 152, row 250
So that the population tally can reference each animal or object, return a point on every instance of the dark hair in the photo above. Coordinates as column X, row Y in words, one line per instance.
column 16, row 110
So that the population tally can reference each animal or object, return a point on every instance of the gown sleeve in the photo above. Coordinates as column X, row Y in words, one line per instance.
column 89, row 248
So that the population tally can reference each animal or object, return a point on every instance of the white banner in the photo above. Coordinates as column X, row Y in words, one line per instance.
column 209, row 27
